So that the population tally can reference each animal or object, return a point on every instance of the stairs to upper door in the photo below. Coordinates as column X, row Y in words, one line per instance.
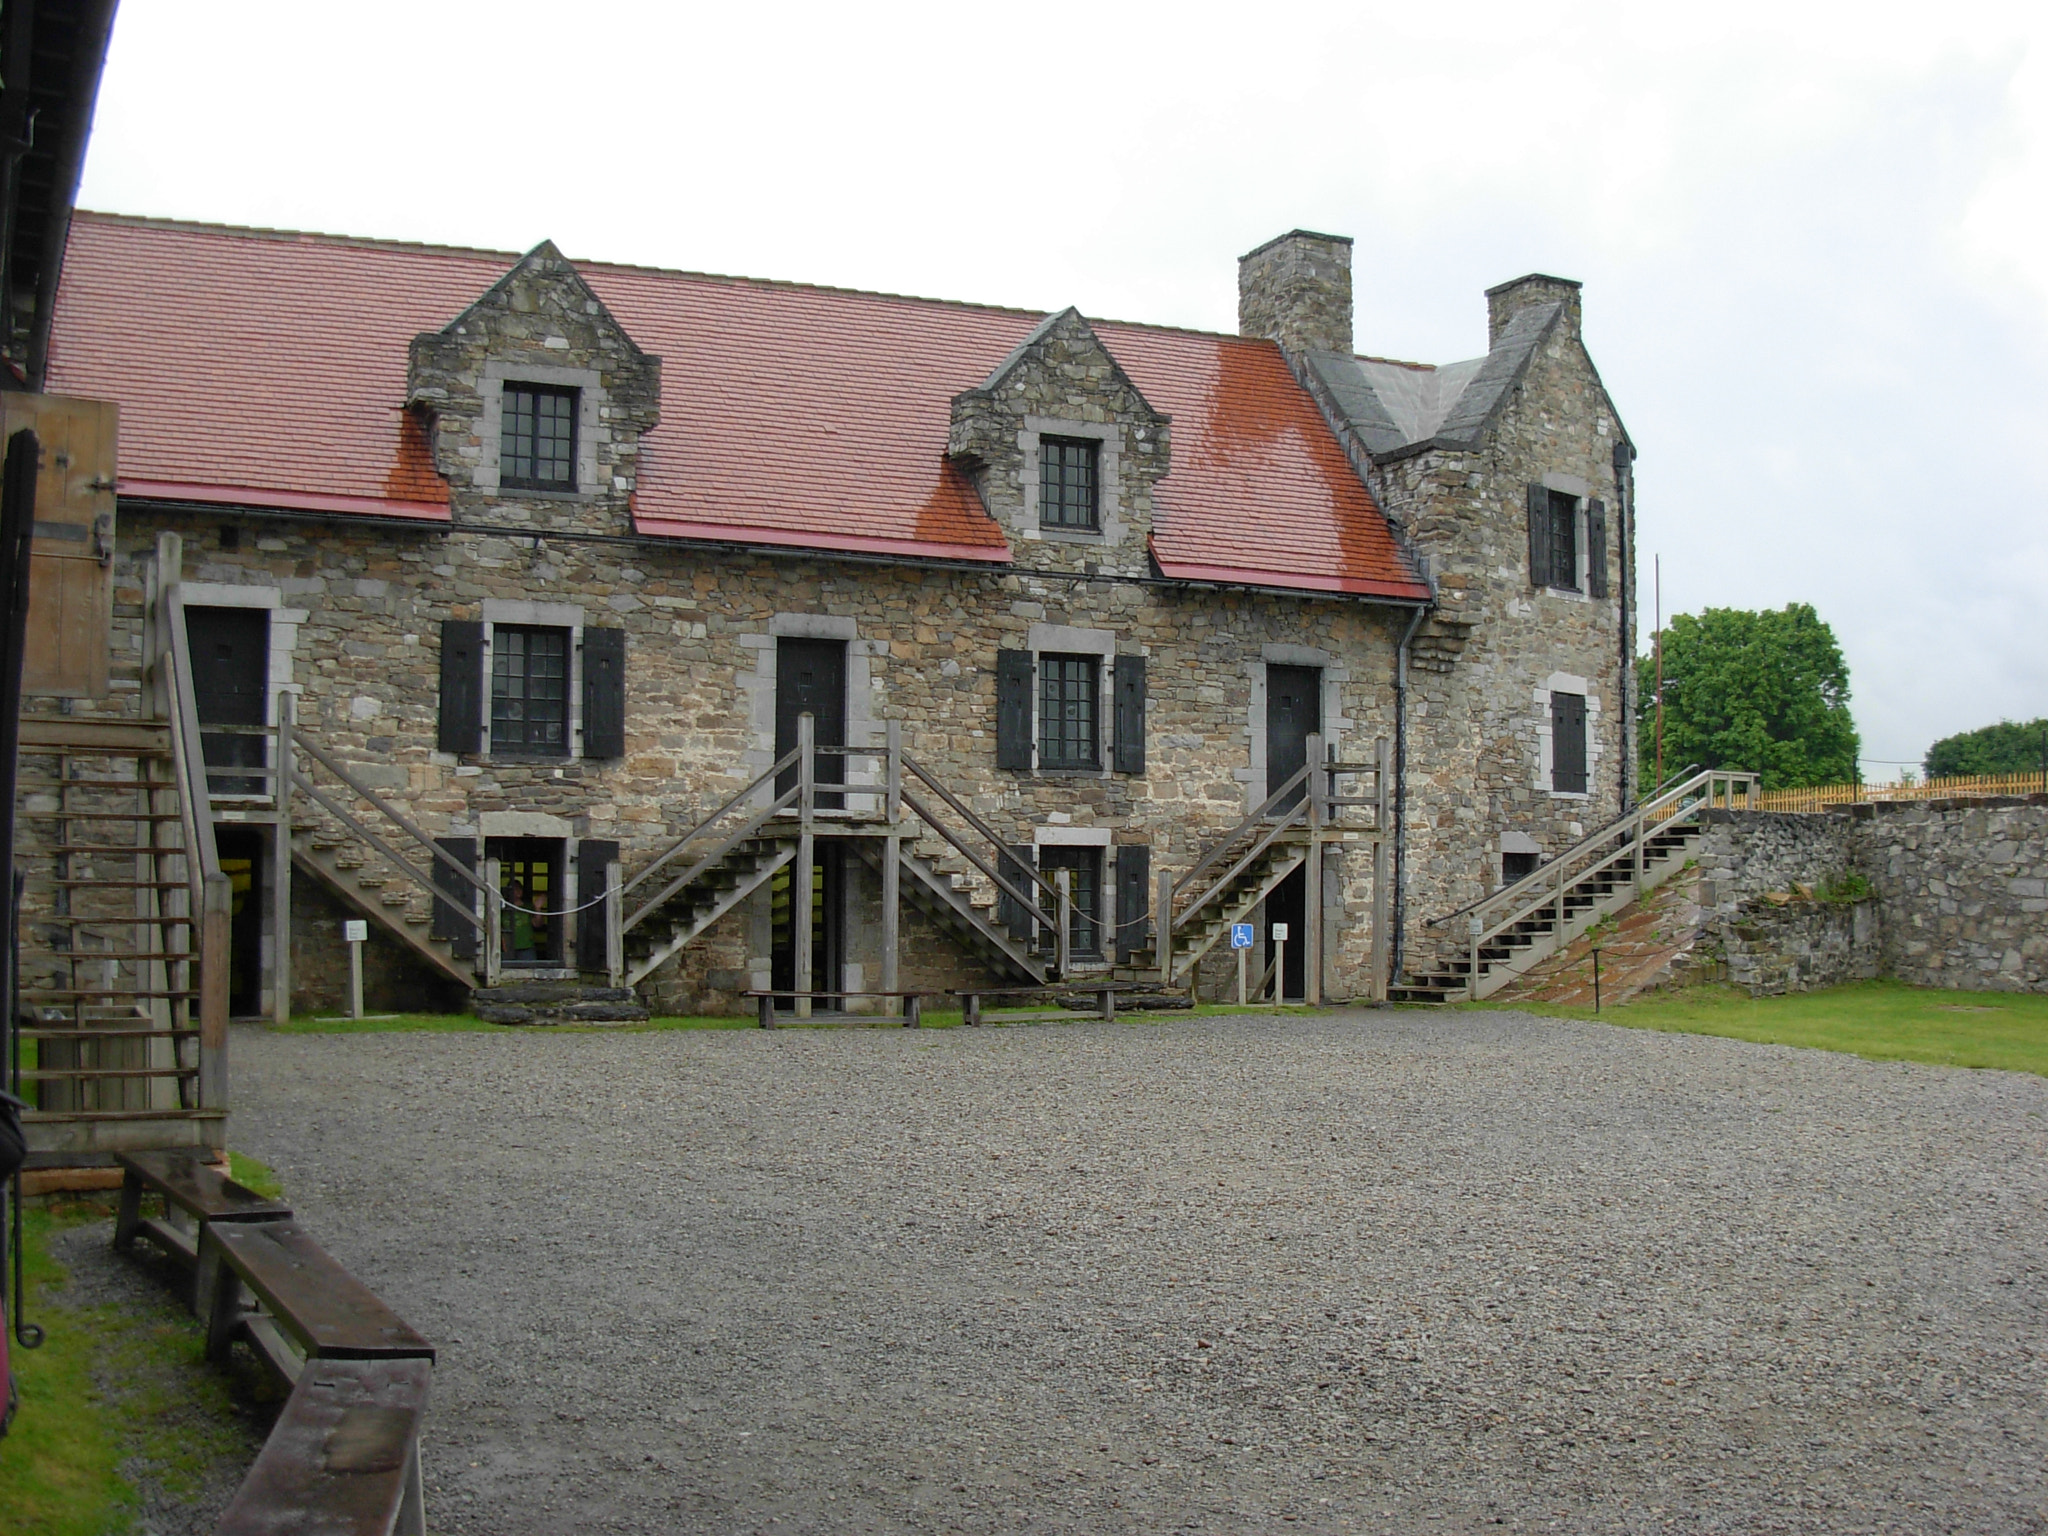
column 349, row 868
column 123, row 945
column 1488, row 944
column 680, row 899
column 940, row 883
column 1203, row 919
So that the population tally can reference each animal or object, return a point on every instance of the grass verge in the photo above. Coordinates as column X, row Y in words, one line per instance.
column 1879, row 1020
column 117, row 1395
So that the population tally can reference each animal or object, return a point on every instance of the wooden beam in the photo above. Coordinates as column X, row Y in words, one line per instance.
column 281, row 869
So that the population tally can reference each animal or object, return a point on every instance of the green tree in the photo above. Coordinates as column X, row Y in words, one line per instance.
column 2011, row 746
column 1767, row 692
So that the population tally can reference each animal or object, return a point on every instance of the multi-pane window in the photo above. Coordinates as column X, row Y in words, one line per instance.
column 1069, row 696
column 1084, row 934
column 1067, row 482
column 537, row 443
column 1564, row 542
column 529, row 690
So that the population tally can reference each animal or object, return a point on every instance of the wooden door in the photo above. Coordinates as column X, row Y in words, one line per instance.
column 70, row 610
column 1294, row 712
column 810, row 677
column 230, row 688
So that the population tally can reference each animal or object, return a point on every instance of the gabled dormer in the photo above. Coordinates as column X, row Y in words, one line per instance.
column 536, row 401
column 1064, row 451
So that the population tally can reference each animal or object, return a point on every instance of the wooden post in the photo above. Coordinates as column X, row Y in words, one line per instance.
column 614, row 925
column 1162, row 928
column 281, row 867
column 217, row 904
column 800, row 893
column 1379, row 873
column 1474, row 926
column 494, row 924
column 892, row 877
column 355, row 965
column 1312, row 875
column 1280, row 965
column 1064, row 879
column 1243, row 966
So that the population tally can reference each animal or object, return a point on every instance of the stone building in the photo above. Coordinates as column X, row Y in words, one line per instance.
column 554, row 558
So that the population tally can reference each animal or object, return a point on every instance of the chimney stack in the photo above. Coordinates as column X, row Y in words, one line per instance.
column 1507, row 300
column 1296, row 290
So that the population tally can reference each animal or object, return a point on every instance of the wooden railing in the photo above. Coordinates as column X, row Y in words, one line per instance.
column 1820, row 797
column 1306, row 804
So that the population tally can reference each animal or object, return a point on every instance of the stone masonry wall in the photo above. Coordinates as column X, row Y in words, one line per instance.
column 1478, row 723
column 1959, row 894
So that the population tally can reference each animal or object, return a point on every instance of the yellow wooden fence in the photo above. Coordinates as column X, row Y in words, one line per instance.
column 1819, row 797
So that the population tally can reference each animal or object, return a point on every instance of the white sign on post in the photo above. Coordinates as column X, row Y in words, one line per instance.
column 355, row 931
column 1279, row 933
column 1241, row 936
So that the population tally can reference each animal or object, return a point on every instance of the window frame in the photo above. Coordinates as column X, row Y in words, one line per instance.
column 497, row 651
column 572, row 396
column 1088, row 917
column 1090, row 667
column 1567, row 542
column 1053, row 474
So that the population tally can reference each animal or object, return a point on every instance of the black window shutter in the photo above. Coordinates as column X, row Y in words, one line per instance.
column 453, row 919
column 604, row 693
column 1011, row 863
column 462, row 686
column 1596, row 548
column 1130, row 714
column 1013, row 710
column 1133, row 898
column 1568, row 743
column 592, row 858
column 1539, row 536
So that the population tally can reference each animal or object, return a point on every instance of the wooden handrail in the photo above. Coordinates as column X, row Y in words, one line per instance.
column 440, row 854
column 1240, row 867
column 1030, row 906
column 425, row 882
column 960, row 809
column 1223, row 844
column 787, row 760
column 747, row 829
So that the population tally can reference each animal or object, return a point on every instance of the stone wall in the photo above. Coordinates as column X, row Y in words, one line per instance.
column 393, row 980
column 1958, row 895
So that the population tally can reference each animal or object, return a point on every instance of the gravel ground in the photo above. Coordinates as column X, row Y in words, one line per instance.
column 1368, row 1271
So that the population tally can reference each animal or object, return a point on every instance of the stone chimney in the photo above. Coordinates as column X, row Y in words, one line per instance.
column 1507, row 300
column 1296, row 290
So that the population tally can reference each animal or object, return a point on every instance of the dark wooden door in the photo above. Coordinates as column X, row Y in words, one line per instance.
column 230, row 682
column 810, row 676
column 1288, row 903
column 1568, row 743
column 1294, row 712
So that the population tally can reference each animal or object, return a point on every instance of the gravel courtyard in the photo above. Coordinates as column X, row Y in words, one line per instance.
column 1392, row 1271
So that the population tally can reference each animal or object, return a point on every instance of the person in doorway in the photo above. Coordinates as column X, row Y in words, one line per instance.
column 522, row 945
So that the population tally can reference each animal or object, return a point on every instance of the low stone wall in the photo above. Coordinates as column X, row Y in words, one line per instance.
column 1964, row 887
column 1957, row 895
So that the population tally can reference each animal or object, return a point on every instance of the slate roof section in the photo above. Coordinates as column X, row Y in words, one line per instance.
column 1397, row 409
column 263, row 368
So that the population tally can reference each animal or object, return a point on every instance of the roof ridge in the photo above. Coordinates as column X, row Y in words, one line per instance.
column 379, row 242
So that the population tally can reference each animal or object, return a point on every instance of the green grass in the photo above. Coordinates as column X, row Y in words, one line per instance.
column 1880, row 1020
column 109, row 1384
column 250, row 1174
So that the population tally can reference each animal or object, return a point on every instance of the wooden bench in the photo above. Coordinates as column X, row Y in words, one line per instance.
column 913, row 1003
column 1105, row 993
column 187, row 1183
column 308, row 1300
column 343, row 1457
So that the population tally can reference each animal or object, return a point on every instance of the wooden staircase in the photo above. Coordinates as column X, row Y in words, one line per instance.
column 715, row 886
column 353, row 871
column 1198, row 931
column 1489, row 943
column 942, row 886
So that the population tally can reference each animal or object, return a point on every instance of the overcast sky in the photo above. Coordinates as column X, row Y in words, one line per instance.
column 1813, row 237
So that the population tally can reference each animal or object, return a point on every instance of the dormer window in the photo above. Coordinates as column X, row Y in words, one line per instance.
column 1067, row 483
column 537, row 440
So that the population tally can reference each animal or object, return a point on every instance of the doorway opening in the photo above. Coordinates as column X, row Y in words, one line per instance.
column 240, row 850
column 1287, row 903
column 531, row 881
column 230, row 681
column 825, row 911
column 810, row 678
column 1294, row 712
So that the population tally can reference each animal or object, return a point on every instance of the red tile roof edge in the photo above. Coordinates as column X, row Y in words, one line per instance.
column 824, row 544
column 1292, row 581
column 291, row 501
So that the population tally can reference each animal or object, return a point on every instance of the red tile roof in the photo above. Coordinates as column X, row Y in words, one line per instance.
column 269, row 369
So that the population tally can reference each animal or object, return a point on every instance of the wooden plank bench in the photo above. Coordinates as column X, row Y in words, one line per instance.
column 343, row 1458
column 308, row 1300
column 189, row 1184
column 913, row 1004
column 1105, row 993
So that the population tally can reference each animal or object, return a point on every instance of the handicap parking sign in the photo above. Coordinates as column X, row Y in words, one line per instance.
column 1240, row 935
